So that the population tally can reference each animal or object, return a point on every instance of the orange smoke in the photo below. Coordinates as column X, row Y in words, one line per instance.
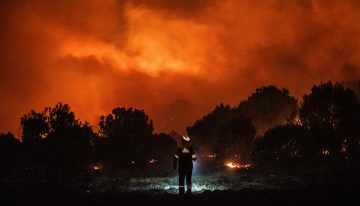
column 174, row 59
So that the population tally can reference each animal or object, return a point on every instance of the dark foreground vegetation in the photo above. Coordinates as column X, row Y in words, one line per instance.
column 58, row 158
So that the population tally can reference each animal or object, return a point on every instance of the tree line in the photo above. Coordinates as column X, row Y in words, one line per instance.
column 273, row 128
column 268, row 128
column 56, row 147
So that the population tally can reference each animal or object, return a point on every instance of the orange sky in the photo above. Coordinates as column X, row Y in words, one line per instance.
column 174, row 59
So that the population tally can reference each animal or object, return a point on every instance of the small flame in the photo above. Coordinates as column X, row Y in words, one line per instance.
column 233, row 165
column 343, row 149
column 153, row 161
column 211, row 156
column 237, row 165
column 325, row 152
column 247, row 166
column 97, row 167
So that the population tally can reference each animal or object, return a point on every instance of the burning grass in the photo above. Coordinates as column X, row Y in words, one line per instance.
column 236, row 165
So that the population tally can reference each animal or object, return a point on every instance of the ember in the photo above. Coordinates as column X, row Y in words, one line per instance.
column 153, row 161
column 325, row 152
column 97, row 167
column 211, row 156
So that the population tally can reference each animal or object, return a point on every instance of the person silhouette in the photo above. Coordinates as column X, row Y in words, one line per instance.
column 183, row 161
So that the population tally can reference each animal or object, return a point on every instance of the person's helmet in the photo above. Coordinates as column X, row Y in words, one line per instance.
column 185, row 138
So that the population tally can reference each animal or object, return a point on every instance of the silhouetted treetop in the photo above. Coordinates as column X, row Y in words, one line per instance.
column 206, row 130
column 126, row 134
column 236, row 138
column 268, row 107
column 353, row 85
column 60, row 117
column 40, row 125
column 34, row 126
column 124, row 122
column 333, row 107
column 330, row 104
column 62, row 146
column 240, row 128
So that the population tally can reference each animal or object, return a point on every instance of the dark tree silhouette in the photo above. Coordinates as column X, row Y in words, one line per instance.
column 268, row 107
column 353, row 85
column 35, row 126
column 58, row 144
column 127, row 133
column 281, row 144
column 235, row 139
column 324, row 143
column 10, row 154
column 162, row 148
column 333, row 107
column 205, row 131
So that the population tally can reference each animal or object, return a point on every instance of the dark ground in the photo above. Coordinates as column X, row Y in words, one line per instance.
column 317, row 193
column 322, row 195
column 224, row 188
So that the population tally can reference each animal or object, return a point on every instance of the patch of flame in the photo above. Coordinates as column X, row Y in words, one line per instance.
column 97, row 167
column 236, row 165
column 325, row 152
column 233, row 165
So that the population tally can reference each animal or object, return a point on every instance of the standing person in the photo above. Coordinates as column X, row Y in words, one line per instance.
column 183, row 158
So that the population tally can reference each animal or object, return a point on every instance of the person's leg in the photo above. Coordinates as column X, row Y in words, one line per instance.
column 188, row 181
column 181, row 182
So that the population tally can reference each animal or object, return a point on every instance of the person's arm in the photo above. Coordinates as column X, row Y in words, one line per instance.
column 176, row 160
column 193, row 155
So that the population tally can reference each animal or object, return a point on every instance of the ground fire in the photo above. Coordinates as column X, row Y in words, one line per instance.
column 236, row 165
column 97, row 167
column 153, row 161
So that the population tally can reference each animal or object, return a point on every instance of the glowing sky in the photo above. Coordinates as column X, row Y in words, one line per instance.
column 175, row 59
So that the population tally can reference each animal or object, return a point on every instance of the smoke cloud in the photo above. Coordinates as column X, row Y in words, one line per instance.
column 174, row 59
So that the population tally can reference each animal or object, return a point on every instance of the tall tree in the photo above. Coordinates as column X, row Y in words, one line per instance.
column 281, row 144
column 332, row 106
column 353, row 85
column 205, row 131
column 127, row 133
column 57, row 141
column 236, row 138
column 35, row 126
column 268, row 107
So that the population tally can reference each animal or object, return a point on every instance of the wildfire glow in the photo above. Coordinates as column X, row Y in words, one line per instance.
column 236, row 165
column 112, row 53
column 233, row 165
